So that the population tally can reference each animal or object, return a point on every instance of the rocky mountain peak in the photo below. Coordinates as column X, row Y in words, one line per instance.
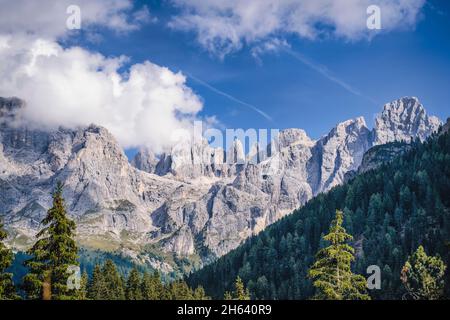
column 9, row 108
column 340, row 151
column 402, row 120
column 145, row 160
column 349, row 127
column 190, row 199
column 293, row 136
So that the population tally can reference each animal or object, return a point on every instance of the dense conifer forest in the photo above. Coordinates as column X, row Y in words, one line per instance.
column 396, row 211
column 396, row 217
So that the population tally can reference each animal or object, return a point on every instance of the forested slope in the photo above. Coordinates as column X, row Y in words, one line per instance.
column 390, row 211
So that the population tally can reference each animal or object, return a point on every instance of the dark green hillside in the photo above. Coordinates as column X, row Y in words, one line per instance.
column 390, row 211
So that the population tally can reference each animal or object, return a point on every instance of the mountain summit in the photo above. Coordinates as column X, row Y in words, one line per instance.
column 167, row 202
column 404, row 119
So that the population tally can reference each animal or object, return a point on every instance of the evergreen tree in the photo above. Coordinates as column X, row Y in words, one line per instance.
column 332, row 275
column 84, row 283
column 179, row 290
column 133, row 289
column 52, row 254
column 147, row 288
column 240, row 292
column 407, row 207
column 152, row 287
column 262, row 288
column 423, row 276
column 97, row 286
column 199, row 294
column 7, row 290
column 114, row 286
column 227, row 296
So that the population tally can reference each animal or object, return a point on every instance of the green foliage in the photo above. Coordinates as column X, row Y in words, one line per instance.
column 333, row 278
column 152, row 288
column 7, row 290
column 52, row 254
column 390, row 211
column 114, row 288
column 89, row 258
column 199, row 294
column 107, row 284
column 179, row 290
column 97, row 286
column 82, row 293
column 239, row 293
column 227, row 296
column 133, row 289
column 423, row 276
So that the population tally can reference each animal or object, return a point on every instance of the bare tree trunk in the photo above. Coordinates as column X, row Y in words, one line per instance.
column 47, row 288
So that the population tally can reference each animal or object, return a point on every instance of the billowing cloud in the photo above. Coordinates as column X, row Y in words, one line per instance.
column 74, row 87
column 47, row 18
column 226, row 26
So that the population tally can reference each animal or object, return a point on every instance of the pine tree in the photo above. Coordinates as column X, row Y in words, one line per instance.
column 114, row 286
column 52, row 254
column 84, row 283
column 423, row 276
column 227, row 296
column 7, row 290
column 133, row 289
column 240, row 292
column 383, row 240
column 158, row 286
column 147, row 289
column 199, row 294
column 152, row 287
column 179, row 290
column 331, row 273
column 97, row 286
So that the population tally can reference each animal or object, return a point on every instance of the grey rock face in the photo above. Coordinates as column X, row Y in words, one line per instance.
column 145, row 160
column 339, row 152
column 380, row 154
column 188, row 160
column 188, row 200
column 402, row 120
column 445, row 127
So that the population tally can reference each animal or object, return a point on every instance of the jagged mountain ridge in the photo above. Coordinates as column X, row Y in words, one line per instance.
column 179, row 207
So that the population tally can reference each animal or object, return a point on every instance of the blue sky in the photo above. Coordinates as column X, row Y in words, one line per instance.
column 405, row 59
column 399, row 63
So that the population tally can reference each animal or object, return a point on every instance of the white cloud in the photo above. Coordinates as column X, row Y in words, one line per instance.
column 74, row 87
column 226, row 26
column 47, row 18
column 272, row 45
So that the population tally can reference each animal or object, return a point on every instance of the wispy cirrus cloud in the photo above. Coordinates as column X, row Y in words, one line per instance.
column 230, row 97
column 325, row 72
